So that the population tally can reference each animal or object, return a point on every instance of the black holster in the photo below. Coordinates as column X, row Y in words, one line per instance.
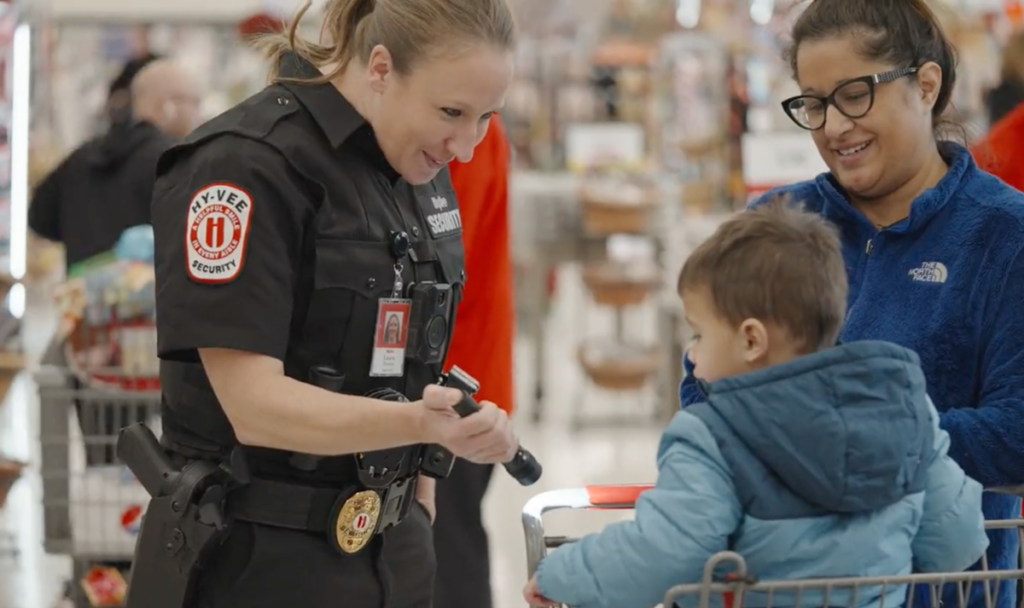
column 182, row 525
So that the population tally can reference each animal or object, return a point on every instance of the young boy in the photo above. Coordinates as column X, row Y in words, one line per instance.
column 808, row 459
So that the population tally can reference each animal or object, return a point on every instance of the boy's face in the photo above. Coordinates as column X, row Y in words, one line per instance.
column 717, row 350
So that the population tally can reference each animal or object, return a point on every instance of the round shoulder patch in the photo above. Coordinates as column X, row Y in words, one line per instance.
column 216, row 232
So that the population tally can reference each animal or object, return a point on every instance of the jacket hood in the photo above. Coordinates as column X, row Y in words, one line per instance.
column 111, row 149
column 847, row 429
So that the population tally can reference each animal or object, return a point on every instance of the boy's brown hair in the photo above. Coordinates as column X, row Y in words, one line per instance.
column 776, row 263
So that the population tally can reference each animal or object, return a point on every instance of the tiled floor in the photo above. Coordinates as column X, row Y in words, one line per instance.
column 32, row 579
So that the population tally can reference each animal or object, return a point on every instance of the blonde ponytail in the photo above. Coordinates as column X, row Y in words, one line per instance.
column 343, row 18
column 410, row 30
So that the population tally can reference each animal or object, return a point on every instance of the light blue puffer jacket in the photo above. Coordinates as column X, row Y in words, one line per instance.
column 830, row 465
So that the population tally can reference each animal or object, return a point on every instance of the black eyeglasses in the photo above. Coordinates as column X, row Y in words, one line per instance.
column 853, row 98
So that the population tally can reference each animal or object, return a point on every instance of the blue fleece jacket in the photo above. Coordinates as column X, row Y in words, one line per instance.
column 830, row 465
column 948, row 283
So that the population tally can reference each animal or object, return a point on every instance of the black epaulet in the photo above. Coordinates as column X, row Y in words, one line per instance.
column 254, row 119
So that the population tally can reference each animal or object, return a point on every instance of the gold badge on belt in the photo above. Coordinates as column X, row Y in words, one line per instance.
column 357, row 521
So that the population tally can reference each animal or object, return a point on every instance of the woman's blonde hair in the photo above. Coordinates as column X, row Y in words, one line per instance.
column 410, row 30
column 1013, row 58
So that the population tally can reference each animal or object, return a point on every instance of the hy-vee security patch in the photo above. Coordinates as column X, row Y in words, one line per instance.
column 216, row 232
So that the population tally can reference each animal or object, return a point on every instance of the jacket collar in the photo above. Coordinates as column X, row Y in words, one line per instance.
column 335, row 115
column 338, row 119
column 927, row 204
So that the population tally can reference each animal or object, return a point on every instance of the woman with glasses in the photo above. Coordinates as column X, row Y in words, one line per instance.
column 934, row 246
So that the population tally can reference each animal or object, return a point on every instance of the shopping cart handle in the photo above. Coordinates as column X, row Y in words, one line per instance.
column 615, row 496
column 588, row 498
column 1011, row 490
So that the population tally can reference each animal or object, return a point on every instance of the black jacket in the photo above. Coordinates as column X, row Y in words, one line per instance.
column 99, row 190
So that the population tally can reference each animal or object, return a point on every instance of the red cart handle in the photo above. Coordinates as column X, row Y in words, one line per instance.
column 609, row 497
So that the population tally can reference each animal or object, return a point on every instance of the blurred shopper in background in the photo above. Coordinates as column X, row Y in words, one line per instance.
column 1001, row 150
column 119, row 97
column 106, row 185
column 1009, row 93
column 482, row 345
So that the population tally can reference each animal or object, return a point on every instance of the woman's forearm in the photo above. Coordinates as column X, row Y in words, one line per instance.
column 988, row 441
column 291, row 415
column 268, row 409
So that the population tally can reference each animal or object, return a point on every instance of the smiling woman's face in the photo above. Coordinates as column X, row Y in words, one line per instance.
column 873, row 155
column 439, row 111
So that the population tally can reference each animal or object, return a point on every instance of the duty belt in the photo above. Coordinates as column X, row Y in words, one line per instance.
column 349, row 517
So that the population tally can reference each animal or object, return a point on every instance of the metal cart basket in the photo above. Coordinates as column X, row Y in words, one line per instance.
column 92, row 504
column 740, row 588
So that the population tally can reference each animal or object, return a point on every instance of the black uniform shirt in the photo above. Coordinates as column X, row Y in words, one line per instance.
column 273, row 226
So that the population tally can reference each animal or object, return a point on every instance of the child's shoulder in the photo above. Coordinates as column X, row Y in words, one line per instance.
column 689, row 432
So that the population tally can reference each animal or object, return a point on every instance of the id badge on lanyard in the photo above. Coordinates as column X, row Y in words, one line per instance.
column 392, row 332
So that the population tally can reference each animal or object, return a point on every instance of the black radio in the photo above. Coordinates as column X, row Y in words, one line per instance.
column 429, row 327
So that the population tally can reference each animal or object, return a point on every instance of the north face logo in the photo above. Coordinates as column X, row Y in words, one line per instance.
column 930, row 272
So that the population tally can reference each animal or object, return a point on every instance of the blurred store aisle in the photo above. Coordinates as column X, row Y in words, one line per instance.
column 30, row 578
column 34, row 579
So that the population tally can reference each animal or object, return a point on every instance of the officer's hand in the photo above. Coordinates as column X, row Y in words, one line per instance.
column 484, row 437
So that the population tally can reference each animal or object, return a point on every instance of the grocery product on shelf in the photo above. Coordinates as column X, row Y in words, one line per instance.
column 693, row 104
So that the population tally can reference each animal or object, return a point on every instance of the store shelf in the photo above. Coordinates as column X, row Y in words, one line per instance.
column 134, row 11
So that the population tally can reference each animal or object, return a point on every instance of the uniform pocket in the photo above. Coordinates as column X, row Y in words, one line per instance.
column 230, row 566
column 363, row 267
column 350, row 278
column 410, row 559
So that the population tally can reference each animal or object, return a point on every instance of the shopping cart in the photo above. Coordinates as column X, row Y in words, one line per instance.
column 90, row 387
column 735, row 588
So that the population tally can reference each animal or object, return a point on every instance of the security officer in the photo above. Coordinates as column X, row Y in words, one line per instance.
column 289, row 231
